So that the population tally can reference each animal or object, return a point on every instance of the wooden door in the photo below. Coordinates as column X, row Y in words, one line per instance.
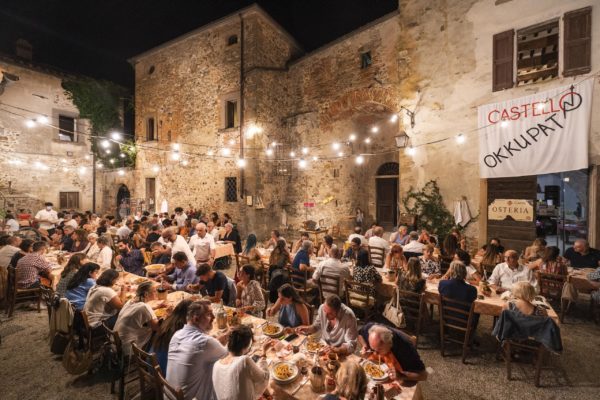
column 514, row 235
column 387, row 200
column 151, row 194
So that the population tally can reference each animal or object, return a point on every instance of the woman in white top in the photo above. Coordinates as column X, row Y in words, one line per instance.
column 237, row 376
column 103, row 303
column 93, row 250
column 137, row 320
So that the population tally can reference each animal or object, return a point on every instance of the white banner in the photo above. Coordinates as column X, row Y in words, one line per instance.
column 538, row 134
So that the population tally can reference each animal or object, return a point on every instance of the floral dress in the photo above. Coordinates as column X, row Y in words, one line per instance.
column 252, row 296
column 366, row 274
column 429, row 266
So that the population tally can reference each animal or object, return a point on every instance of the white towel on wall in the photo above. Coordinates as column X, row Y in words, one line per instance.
column 462, row 215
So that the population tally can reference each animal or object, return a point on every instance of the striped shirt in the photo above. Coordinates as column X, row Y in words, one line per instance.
column 29, row 268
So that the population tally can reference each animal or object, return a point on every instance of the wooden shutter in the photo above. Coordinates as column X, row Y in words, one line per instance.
column 578, row 42
column 503, row 64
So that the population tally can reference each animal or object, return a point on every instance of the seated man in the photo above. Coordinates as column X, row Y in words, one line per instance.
column 395, row 349
column 378, row 241
column 337, row 325
column 159, row 256
column 413, row 246
column 581, row 255
column 214, row 284
column 358, row 234
column 509, row 272
column 183, row 275
column 333, row 266
column 355, row 246
column 31, row 266
column 193, row 353
column 298, row 243
column 66, row 243
column 301, row 261
column 132, row 260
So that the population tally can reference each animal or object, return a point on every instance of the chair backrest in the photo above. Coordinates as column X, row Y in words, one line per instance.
column 377, row 255
column 455, row 314
column 413, row 306
column 168, row 391
column 11, row 282
column 147, row 365
column 298, row 278
column 329, row 284
column 265, row 294
column 409, row 254
column 358, row 295
column 551, row 285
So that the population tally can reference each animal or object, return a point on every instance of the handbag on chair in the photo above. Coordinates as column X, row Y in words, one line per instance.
column 393, row 311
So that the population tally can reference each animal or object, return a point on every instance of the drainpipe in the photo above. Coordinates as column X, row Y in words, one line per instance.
column 242, row 105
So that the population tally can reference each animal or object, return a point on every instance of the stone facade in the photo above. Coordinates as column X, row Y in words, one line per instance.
column 36, row 165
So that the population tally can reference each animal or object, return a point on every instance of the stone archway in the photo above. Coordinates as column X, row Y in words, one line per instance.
column 123, row 201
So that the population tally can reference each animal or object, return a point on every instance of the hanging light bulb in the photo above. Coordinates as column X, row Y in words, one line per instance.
column 269, row 152
column 210, row 153
column 99, row 165
column 375, row 129
column 65, row 169
column 292, row 154
column 352, row 137
column 62, row 160
column 460, row 139
column 231, row 142
column 394, row 118
column 30, row 123
column 302, row 164
column 156, row 168
column 82, row 170
column 122, row 155
column 335, row 146
column 411, row 151
column 175, row 156
column 185, row 163
column 121, row 172
column 105, row 143
column 368, row 140
column 226, row 151
column 116, row 136
column 273, row 144
column 112, row 161
column 359, row 159
column 42, row 119
column 107, row 151
column 305, row 150
column 340, row 154
column 542, row 106
column 315, row 158
column 241, row 162
column 176, row 146
column 504, row 123
column 87, row 157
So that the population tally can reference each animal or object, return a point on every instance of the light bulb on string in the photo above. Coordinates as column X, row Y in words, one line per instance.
column 411, row 151
column 116, row 136
column 65, row 169
column 231, row 142
column 42, row 119
column 175, row 156
column 210, row 153
column 185, row 163
column 302, row 164
column 504, row 123
column 340, row 154
column 542, row 106
column 62, row 160
column 368, row 140
column 335, row 146
column 460, row 138
column 269, row 152
column 121, row 172
column 122, row 155
column 226, row 151
column 107, row 151
column 292, row 154
column 241, row 162
column 87, row 157
column 273, row 144
column 176, row 146
column 359, row 159
column 315, row 158
column 394, row 118
column 99, row 165
column 375, row 129
column 156, row 168
column 105, row 143
column 305, row 150
column 30, row 123
column 82, row 170
column 112, row 161
column 352, row 137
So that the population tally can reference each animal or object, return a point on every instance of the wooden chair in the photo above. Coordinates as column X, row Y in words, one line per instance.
column 377, row 256
column 329, row 284
column 527, row 346
column 413, row 306
column 445, row 263
column 551, row 286
column 311, row 313
column 168, row 391
column 454, row 319
column 299, row 280
column 15, row 295
column 47, row 295
column 360, row 297
column 240, row 261
column 147, row 366
column 265, row 294
column 117, row 360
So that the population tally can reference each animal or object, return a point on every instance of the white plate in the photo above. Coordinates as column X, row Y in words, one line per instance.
column 273, row 335
column 383, row 368
column 293, row 368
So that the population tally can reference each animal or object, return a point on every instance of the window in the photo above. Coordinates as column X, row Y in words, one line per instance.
column 537, row 55
column 151, row 70
column 365, row 60
column 231, row 114
column 69, row 200
column 66, row 128
column 231, row 40
column 231, row 189
column 150, row 129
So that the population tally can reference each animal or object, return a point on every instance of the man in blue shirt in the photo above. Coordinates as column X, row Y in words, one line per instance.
column 132, row 260
column 301, row 261
column 214, row 283
column 183, row 275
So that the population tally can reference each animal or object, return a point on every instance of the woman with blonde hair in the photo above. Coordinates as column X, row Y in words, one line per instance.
column 351, row 382
column 535, row 251
column 412, row 280
column 523, row 294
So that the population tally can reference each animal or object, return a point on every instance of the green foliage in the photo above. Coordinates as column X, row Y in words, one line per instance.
column 428, row 205
column 100, row 102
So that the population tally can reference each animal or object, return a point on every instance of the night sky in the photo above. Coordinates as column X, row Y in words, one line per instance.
column 96, row 37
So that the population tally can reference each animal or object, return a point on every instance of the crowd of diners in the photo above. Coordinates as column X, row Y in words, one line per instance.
column 185, row 243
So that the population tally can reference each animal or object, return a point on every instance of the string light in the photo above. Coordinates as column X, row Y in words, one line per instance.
column 42, row 119
column 122, row 155
column 241, row 162
column 542, row 106
column 504, row 123
column 226, row 151
column 394, row 118
column 273, row 144
column 185, row 163
column 340, row 154
column 411, row 151
column 112, row 161
column 231, row 142
column 315, row 158
column 352, row 137
column 359, row 159
column 460, row 139
column 156, row 168
column 30, row 123
column 335, row 146
column 121, row 172
column 65, row 169
column 105, row 143
column 116, row 136
column 99, row 165
column 305, row 150
column 82, row 170
column 87, row 157
column 368, row 140
column 375, row 129
column 107, row 151
column 302, row 163
column 62, row 160
column 176, row 146
column 292, row 154
column 175, row 156
column 269, row 152
column 210, row 153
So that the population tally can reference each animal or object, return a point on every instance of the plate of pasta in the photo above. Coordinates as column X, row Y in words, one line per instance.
column 272, row 329
column 284, row 372
column 314, row 346
column 375, row 371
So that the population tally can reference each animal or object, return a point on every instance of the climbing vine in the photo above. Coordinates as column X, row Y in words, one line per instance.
column 101, row 102
column 428, row 205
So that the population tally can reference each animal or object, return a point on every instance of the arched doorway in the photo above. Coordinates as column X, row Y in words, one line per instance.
column 386, row 190
column 123, row 202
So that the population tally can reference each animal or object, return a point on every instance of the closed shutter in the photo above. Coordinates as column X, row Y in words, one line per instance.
column 578, row 42
column 503, row 64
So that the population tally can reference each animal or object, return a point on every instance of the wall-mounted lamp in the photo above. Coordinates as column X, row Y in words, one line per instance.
column 410, row 114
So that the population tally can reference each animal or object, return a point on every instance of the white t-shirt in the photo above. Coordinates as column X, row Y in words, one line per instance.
column 201, row 247
column 123, row 232
column 133, row 324
column 333, row 266
column 180, row 219
column 505, row 277
column 104, row 258
column 414, row 246
column 376, row 241
column 12, row 225
column 181, row 245
column 242, row 379
column 96, row 305
column 72, row 223
column 48, row 216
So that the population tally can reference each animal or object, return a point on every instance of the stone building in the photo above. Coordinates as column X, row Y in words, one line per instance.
column 229, row 89
column 44, row 146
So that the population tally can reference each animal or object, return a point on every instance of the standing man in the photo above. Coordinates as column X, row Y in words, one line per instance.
column 193, row 353
column 203, row 245
column 177, row 243
column 180, row 217
column 47, row 218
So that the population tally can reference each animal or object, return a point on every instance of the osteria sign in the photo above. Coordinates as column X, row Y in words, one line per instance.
column 517, row 210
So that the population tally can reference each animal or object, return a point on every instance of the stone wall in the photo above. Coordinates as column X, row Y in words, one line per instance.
column 36, row 165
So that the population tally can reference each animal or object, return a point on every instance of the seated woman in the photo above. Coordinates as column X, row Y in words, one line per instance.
column 293, row 311
column 351, row 382
column 251, row 251
column 280, row 256
column 137, row 239
column 551, row 262
column 237, row 376
column 535, row 251
column 364, row 272
column 491, row 257
column 103, row 303
column 93, row 250
column 326, row 246
column 523, row 294
column 473, row 274
column 429, row 264
column 174, row 322
column 400, row 237
column 136, row 320
column 75, row 262
column 250, row 298
column 80, row 242
column 424, row 237
column 411, row 280
column 395, row 259
column 80, row 284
